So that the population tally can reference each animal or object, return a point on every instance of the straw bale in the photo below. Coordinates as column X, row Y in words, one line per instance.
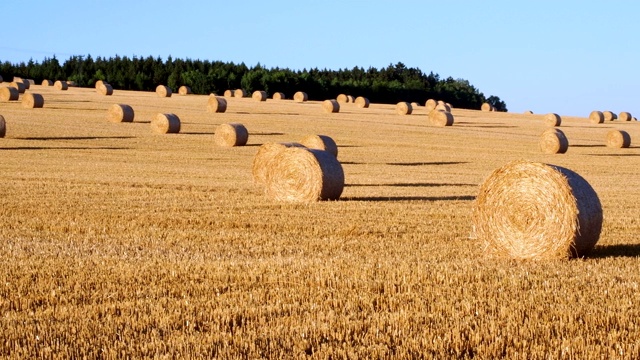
column 596, row 117
column 259, row 95
column 350, row 99
column 361, row 102
column 216, row 104
column 184, row 90
column 9, row 93
column 609, row 116
column 331, row 106
column 278, row 96
column 239, row 93
column 18, row 85
column 232, row 134
column 163, row 91
column 165, row 124
column 120, row 113
column 625, row 116
column 487, row 107
column 618, row 139
column 430, row 104
column 106, row 89
column 300, row 96
column 262, row 161
column 228, row 93
column 47, row 82
column 342, row 98
column 60, row 85
column 32, row 101
column 553, row 141
column 320, row 142
column 403, row 108
column 552, row 119
column 440, row 118
column 528, row 112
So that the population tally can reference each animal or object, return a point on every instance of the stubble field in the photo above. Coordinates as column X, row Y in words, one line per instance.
column 117, row 242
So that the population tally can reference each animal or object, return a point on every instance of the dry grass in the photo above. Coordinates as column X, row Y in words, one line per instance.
column 117, row 243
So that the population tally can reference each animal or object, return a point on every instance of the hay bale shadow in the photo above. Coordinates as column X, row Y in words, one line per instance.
column 612, row 251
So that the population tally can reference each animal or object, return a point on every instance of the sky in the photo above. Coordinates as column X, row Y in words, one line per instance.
column 567, row 57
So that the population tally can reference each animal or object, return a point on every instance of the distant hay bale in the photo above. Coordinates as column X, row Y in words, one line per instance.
column 350, row 99
column 618, row 139
column 553, row 141
column 230, row 135
column 278, row 96
column 331, row 106
column 163, row 91
column 26, row 84
column 120, row 113
column 304, row 175
column 361, row 102
column 9, row 93
column 529, row 210
column 262, row 161
column 3, row 127
column 440, row 118
column 403, row 108
column 216, row 104
column 414, row 105
column 165, row 124
column 32, row 101
column 625, row 116
column 47, row 82
column 31, row 82
column 259, row 95
column 528, row 112
column 609, row 116
column 105, row 89
column 18, row 85
column 430, row 104
column 300, row 96
column 184, row 90
column 596, row 117
column 486, row 107
column 342, row 98
column 228, row 93
column 552, row 119
column 100, row 83
column 239, row 93
column 320, row 142
column 443, row 107
column 60, row 85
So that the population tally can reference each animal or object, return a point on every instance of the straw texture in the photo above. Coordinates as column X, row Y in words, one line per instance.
column 618, row 139
column 120, row 113
column 263, row 159
column 165, row 124
column 216, row 104
column 229, row 135
column 361, row 102
column 32, row 101
column 553, row 141
column 596, row 117
column 403, row 108
column 320, row 142
column 552, row 119
column 9, row 93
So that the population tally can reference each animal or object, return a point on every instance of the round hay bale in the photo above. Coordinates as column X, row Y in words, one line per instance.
column 228, row 93
column 106, row 89
column 239, row 93
column 47, row 82
column 100, row 83
column 342, row 98
column 609, row 116
column 163, row 91
column 331, row 106
column 486, row 107
column 403, row 108
column 165, row 124
column 300, row 96
column 229, row 135
column 120, row 113
column 618, row 139
column 9, row 93
column 304, row 175
column 184, row 90
column 278, row 96
column 350, row 99
column 259, row 95
column 552, row 119
column 31, row 82
column 60, row 85
column 440, row 118
column 528, row 112
column 553, row 141
column 320, row 142
column 216, row 104
column 596, row 117
column 26, row 83
column 414, row 105
column 3, row 127
column 529, row 210
column 18, row 85
column 443, row 107
column 361, row 102
column 262, row 162
column 625, row 116
column 32, row 101
column 430, row 104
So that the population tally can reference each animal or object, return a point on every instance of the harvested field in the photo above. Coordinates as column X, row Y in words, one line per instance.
column 117, row 242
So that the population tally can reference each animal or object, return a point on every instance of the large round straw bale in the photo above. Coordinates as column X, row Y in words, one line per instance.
column 216, row 104
column 331, row 106
column 18, row 85
column 486, row 107
column 609, row 116
column 9, row 93
column 350, row 99
column 3, row 127
column 32, row 101
column 361, row 102
column 26, row 83
column 100, row 83
column 625, row 116
column 120, row 113
column 106, row 89
column 228, row 93
column 552, row 119
column 232, row 134
column 47, row 82
column 165, row 124
column 553, row 141
column 239, row 93
column 430, row 104
column 440, row 118
column 618, row 139
column 163, row 91
column 528, row 112
column 529, row 210
column 342, row 98
column 278, row 96
column 184, row 90
column 31, row 82
column 596, row 117
column 259, row 95
column 320, row 142
column 403, row 108
column 264, row 157
column 300, row 96
column 304, row 175
column 61, row 85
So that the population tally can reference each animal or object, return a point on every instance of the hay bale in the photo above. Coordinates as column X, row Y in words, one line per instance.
column 596, row 117
column 3, row 127
column 229, row 135
column 342, row 98
column 60, row 85
column 430, row 104
column 216, row 104
column 278, row 96
column 100, row 83
column 262, row 162
column 120, row 113
column 403, row 108
column 320, row 142
column 609, row 116
column 165, row 124
column 106, row 89
column 553, row 141
column 26, row 84
column 528, row 112
column 331, row 106
column 552, row 119
column 487, row 107
column 32, row 101
column 18, row 85
column 239, row 93
column 31, row 82
column 9, row 93
column 300, row 96
column 361, row 102
column 529, row 210
column 350, row 99
column 228, row 93
column 625, row 116
column 184, row 90
column 304, row 175
column 618, row 139
column 443, row 107
column 163, row 91
column 259, row 95
column 47, row 82
column 414, row 105
column 440, row 118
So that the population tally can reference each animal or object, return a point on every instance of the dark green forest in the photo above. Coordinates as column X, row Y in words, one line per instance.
column 387, row 85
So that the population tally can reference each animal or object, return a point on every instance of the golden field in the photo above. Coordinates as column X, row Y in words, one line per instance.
column 119, row 243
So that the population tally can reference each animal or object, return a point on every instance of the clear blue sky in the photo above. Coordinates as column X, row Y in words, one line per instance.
column 567, row 57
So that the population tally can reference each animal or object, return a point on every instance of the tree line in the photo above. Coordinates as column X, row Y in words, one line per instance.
column 387, row 85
